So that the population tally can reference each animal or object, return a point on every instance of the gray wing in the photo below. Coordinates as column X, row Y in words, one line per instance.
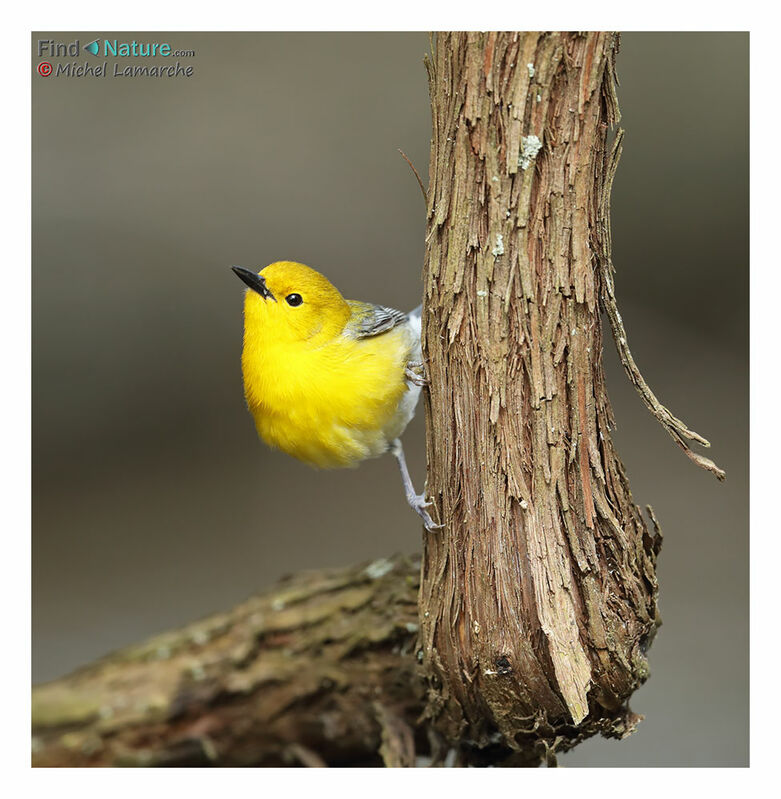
column 371, row 320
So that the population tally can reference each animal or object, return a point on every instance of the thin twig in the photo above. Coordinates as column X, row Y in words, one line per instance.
column 674, row 426
column 420, row 182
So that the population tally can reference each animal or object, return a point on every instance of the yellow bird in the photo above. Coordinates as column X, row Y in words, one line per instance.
column 329, row 381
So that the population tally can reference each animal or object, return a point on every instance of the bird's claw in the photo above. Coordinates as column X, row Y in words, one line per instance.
column 418, row 503
column 415, row 374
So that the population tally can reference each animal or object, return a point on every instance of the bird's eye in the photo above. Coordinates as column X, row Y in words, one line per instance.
column 294, row 299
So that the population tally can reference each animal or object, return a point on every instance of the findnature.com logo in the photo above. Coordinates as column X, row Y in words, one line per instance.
column 112, row 48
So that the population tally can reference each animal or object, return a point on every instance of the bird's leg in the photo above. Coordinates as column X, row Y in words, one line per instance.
column 415, row 374
column 416, row 501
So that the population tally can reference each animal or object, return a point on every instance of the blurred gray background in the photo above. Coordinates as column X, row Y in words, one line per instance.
column 153, row 501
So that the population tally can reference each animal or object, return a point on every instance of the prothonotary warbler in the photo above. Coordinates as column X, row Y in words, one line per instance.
column 329, row 381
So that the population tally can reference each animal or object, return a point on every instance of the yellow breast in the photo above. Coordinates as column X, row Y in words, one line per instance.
column 329, row 405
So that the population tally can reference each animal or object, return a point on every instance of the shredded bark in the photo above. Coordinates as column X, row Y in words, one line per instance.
column 538, row 598
column 525, row 629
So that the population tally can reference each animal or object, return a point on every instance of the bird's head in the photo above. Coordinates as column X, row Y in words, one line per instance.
column 292, row 302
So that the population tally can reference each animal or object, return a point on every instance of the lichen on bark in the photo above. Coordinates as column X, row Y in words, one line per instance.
column 321, row 669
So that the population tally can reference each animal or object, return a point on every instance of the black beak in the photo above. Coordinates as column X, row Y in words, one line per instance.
column 255, row 281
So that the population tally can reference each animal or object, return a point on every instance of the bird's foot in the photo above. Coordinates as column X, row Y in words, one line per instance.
column 418, row 503
column 415, row 374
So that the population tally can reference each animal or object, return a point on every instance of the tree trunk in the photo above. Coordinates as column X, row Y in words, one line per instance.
column 537, row 600
column 539, row 594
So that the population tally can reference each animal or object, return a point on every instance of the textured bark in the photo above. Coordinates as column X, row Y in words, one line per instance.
column 322, row 670
column 539, row 595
